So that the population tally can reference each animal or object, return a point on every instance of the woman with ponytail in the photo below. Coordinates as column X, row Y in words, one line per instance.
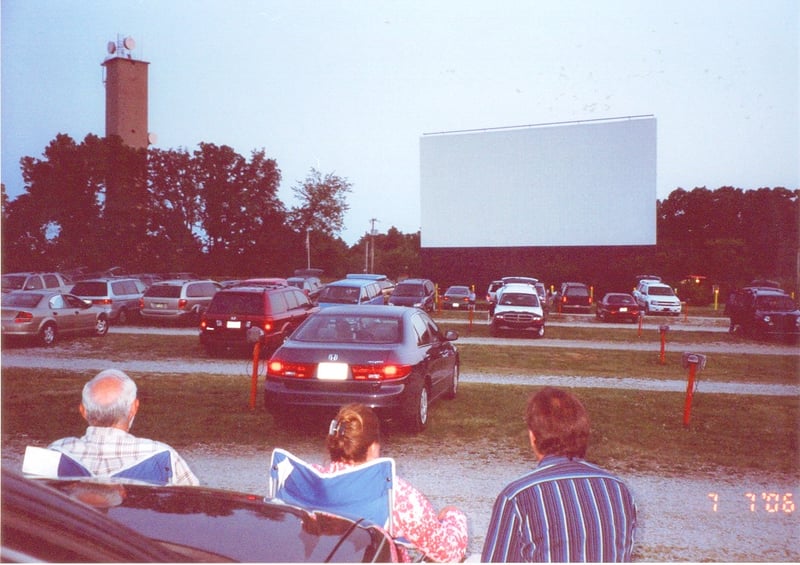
column 354, row 438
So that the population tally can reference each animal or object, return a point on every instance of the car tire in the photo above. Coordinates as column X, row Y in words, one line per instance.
column 100, row 326
column 48, row 335
column 494, row 330
column 452, row 390
column 416, row 411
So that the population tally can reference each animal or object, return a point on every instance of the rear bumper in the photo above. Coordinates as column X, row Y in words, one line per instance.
column 281, row 392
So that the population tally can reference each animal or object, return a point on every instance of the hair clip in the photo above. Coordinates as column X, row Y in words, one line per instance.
column 336, row 428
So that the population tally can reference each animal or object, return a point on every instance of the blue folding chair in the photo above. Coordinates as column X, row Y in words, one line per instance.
column 361, row 493
column 39, row 461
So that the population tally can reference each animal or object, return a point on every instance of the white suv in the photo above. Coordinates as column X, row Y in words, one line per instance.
column 517, row 308
column 657, row 298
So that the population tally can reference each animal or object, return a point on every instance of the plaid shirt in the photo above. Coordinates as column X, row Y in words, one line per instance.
column 104, row 451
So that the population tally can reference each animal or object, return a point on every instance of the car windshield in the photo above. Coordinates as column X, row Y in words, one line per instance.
column 90, row 288
column 458, row 290
column 13, row 282
column 340, row 294
column 775, row 303
column 519, row 299
column 247, row 304
column 163, row 291
column 408, row 290
column 660, row 291
column 22, row 299
column 342, row 328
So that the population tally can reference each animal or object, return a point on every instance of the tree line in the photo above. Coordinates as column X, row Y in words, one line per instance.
column 99, row 203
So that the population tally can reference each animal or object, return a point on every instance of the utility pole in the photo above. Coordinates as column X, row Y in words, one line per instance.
column 372, row 233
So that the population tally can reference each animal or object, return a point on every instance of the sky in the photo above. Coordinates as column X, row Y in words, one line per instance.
column 349, row 87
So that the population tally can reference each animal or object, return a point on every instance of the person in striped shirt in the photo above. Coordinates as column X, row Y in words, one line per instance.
column 566, row 509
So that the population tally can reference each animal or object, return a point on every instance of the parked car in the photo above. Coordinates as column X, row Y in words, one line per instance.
column 351, row 291
column 119, row 297
column 420, row 293
column 458, row 297
column 178, row 300
column 518, row 308
column 47, row 315
column 311, row 285
column 274, row 309
column 262, row 281
column 36, row 281
column 41, row 524
column 763, row 312
column 89, row 520
column 657, row 298
column 387, row 286
column 395, row 360
column 616, row 306
column 574, row 297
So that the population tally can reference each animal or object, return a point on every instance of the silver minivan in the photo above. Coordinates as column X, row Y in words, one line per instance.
column 118, row 296
column 178, row 300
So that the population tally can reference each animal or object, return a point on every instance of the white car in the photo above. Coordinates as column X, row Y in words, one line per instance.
column 518, row 308
column 657, row 298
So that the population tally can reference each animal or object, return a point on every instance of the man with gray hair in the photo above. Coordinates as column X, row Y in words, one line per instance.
column 109, row 405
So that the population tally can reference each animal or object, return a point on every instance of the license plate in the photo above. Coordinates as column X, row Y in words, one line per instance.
column 455, row 305
column 623, row 309
column 233, row 325
column 159, row 305
column 332, row 371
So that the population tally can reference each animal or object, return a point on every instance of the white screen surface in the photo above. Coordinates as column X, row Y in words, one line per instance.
column 582, row 183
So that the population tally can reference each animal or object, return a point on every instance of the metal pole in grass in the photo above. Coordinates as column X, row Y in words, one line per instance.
column 694, row 362
column 256, row 337
column 663, row 331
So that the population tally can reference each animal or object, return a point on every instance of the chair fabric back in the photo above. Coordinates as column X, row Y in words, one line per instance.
column 39, row 461
column 363, row 492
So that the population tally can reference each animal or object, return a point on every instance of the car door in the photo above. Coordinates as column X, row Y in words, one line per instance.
column 440, row 354
column 84, row 317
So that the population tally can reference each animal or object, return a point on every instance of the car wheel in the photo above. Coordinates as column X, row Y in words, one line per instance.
column 101, row 326
column 453, row 389
column 416, row 416
column 48, row 334
column 494, row 330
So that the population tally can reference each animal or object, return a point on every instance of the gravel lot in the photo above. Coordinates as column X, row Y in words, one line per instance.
column 700, row 518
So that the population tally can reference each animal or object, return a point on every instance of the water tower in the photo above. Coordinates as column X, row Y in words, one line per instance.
column 126, row 94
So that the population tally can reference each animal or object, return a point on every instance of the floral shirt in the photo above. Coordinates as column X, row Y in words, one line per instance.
column 104, row 451
column 415, row 519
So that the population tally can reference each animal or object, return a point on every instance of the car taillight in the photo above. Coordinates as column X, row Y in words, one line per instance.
column 101, row 301
column 141, row 303
column 182, row 303
column 23, row 317
column 268, row 326
column 385, row 372
column 278, row 368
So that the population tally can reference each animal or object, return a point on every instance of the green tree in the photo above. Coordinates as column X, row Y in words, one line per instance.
column 323, row 203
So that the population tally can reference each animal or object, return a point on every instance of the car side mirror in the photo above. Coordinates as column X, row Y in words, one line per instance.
column 451, row 335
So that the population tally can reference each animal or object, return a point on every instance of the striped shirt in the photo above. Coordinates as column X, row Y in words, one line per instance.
column 104, row 451
column 563, row 511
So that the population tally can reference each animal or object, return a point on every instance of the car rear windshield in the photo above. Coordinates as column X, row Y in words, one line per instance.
column 349, row 329
column 620, row 299
column 163, row 291
column 13, row 282
column 87, row 288
column 247, row 304
column 577, row 291
column 22, row 300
